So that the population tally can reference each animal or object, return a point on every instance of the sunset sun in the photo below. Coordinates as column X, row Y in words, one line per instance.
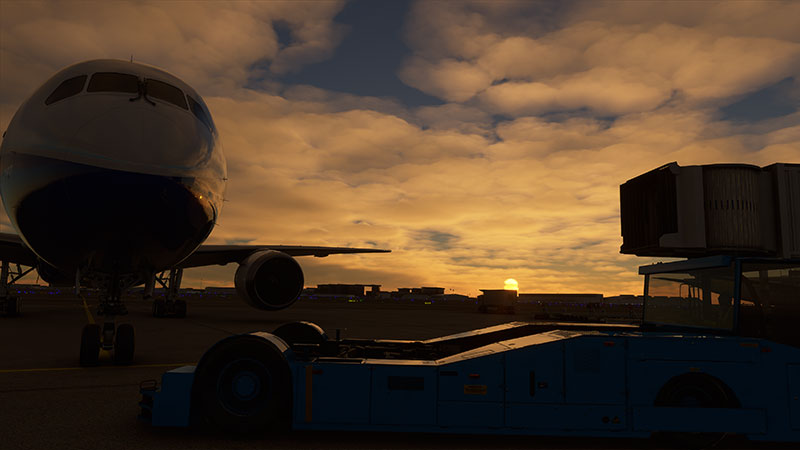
column 511, row 285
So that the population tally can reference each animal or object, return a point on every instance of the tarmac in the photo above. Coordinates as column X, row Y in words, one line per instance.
column 47, row 401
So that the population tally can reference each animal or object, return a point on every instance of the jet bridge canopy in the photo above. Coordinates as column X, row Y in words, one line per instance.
column 696, row 211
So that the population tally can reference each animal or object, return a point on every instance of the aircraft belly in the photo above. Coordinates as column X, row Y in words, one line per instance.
column 74, row 215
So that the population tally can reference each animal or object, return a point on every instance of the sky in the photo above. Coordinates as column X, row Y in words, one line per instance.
column 479, row 141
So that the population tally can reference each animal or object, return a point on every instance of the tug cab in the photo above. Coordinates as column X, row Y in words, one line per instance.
column 741, row 296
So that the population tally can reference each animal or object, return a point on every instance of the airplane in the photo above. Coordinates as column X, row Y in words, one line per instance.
column 113, row 176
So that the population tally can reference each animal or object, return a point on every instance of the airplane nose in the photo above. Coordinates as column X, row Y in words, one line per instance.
column 137, row 136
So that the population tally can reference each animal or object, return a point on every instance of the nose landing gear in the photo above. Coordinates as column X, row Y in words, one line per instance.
column 112, row 338
column 119, row 339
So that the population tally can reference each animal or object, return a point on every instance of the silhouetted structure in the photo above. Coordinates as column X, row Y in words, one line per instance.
column 691, row 211
column 560, row 298
column 497, row 301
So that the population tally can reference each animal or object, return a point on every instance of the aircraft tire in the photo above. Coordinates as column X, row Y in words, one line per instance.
column 180, row 308
column 301, row 332
column 124, row 344
column 159, row 306
column 13, row 306
column 243, row 385
column 90, row 345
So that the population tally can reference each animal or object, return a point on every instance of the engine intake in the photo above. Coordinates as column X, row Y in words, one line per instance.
column 269, row 280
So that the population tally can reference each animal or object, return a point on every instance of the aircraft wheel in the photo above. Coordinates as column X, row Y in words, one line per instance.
column 694, row 390
column 13, row 306
column 180, row 308
column 159, row 306
column 301, row 332
column 243, row 385
column 124, row 344
column 90, row 345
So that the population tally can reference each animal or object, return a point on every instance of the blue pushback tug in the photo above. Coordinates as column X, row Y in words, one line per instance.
column 717, row 351
column 686, row 369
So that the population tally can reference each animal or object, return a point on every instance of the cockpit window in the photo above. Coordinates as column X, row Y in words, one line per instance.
column 199, row 112
column 113, row 82
column 167, row 92
column 67, row 88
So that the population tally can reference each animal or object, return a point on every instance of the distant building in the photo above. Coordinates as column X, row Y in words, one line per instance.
column 356, row 290
column 624, row 300
column 356, row 293
column 560, row 298
column 421, row 291
column 497, row 300
column 432, row 290
column 455, row 298
column 219, row 291
column 192, row 291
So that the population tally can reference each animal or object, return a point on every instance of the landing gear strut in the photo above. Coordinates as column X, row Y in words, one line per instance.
column 119, row 339
column 170, row 305
column 10, row 305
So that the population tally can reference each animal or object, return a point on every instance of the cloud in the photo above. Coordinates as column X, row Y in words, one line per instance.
column 605, row 91
column 537, row 200
column 549, row 107
column 448, row 79
column 610, row 59
column 213, row 47
column 439, row 240
column 468, row 120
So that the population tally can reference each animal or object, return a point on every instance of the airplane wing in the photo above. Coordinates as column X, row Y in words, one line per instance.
column 208, row 255
column 14, row 251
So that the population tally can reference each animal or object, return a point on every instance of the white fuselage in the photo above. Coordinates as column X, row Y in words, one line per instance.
column 112, row 166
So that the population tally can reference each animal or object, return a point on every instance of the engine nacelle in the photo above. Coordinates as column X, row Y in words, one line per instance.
column 53, row 276
column 269, row 280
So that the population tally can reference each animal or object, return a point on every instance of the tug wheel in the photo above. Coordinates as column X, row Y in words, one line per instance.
column 694, row 390
column 243, row 385
column 301, row 332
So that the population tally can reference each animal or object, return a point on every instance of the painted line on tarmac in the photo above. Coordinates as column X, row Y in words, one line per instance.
column 63, row 369
column 89, row 316
column 103, row 352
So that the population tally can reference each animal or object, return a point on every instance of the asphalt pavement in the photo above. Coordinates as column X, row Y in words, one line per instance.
column 47, row 401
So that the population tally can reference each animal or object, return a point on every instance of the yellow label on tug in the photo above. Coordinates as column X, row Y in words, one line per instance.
column 475, row 389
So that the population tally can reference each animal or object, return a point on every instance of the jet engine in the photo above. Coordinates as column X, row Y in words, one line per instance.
column 269, row 280
column 53, row 276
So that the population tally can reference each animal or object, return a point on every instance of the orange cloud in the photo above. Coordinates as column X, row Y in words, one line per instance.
column 504, row 180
